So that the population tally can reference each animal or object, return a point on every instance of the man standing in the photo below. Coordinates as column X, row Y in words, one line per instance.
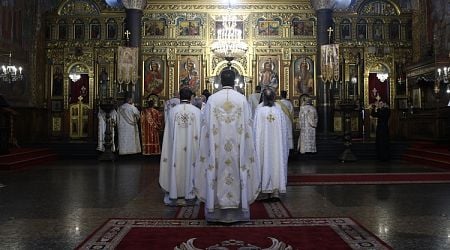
column 227, row 178
column 151, row 122
column 271, row 148
column 308, row 123
column 288, row 109
column 180, row 149
column 128, row 129
column 254, row 98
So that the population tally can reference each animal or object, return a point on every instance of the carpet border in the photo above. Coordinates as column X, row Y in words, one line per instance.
column 256, row 222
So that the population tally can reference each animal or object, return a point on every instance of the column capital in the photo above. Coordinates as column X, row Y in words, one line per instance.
column 134, row 4
column 323, row 4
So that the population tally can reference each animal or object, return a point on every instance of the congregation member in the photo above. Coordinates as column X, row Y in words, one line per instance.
column 102, row 121
column 180, row 148
column 151, row 123
column 271, row 147
column 227, row 179
column 307, row 123
column 128, row 128
column 288, row 109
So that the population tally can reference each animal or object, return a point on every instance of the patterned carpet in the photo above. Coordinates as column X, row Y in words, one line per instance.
column 289, row 233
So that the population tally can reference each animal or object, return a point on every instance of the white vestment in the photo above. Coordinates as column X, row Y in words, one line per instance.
column 102, row 129
column 308, row 123
column 168, row 105
column 179, row 152
column 271, row 148
column 227, row 178
column 128, row 129
column 253, row 101
column 288, row 110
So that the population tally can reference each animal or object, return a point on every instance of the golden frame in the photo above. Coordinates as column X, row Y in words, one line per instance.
column 189, row 72
column 296, row 62
column 274, row 60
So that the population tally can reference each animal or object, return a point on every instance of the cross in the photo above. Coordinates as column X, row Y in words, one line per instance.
column 127, row 34
column 330, row 30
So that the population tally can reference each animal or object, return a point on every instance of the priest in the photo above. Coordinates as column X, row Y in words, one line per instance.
column 179, row 152
column 227, row 179
column 128, row 128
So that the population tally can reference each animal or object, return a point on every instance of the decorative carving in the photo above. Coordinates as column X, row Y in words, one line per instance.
column 76, row 8
column 382, row 8
column 134, row 4
column 323, row 4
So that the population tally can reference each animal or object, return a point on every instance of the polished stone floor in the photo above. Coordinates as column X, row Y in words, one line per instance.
column 57, row 205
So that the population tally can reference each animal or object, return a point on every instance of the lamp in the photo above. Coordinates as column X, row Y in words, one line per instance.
column 229, row 44
column 382, row 76
column 443, row 74
column 10, row 73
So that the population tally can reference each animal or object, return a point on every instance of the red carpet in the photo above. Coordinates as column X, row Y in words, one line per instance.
column 20, row 158
column 375, row 178
column 297, row 233
column 258, row 210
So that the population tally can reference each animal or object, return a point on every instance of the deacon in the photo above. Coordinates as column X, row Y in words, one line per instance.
column 128, row 128
column 254, row 99
column 271, row 147
column 102, row 121
column 151, row 122
column 226, row 177
column 288, row 109
column 180, row 148
column 308, row 122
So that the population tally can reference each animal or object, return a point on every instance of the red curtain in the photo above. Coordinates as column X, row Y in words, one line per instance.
column 79, row 88
column 376, row 87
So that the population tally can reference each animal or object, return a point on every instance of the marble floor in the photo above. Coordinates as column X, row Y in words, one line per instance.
column 57, row 205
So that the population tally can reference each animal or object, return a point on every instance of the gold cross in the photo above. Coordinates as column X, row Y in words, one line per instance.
column 270, row 118
column 330, row 30
column 127, row 34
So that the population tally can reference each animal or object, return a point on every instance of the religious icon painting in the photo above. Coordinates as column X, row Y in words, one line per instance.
column 189, row 72
column 303, row 77
column 268, row 27
column 153, row 80
column 111, row 29
column 78, row 30
column 394, row 30
column 302, row 27
column 188, row 27
column 95, row 30
column 57, row 86
column 268, row 72
column 361, row 30
column 62, row 30
column 346, row 33
column 154, row 27
column 378, row 30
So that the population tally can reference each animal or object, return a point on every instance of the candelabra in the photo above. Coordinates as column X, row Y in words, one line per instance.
column 10, row 73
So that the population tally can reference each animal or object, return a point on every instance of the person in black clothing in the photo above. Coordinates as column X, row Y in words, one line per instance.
column 382, row 112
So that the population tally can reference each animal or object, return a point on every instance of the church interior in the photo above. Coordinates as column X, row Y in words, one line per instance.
column 63, row 60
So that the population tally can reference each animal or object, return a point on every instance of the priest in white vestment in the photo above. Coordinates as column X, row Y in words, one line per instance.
column 169, row 104
column 308, row 123
column 271, row 147
column 179, row 152
column 288, row 109
column 254, row 99
column 102, row 121
column 128, row 129
column 227, row 179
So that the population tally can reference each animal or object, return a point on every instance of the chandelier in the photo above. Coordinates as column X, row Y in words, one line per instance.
column 10, row 73
column 382, row 76
column 229, row 44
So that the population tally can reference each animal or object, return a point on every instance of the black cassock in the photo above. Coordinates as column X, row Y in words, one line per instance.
column 382, row 133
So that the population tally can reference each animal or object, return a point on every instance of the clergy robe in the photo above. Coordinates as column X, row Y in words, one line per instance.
column 102, row 129
column 288, row 110
column 151, row 122
column 308, row 123
column 253, row 101
column 168, row 105
column 128, row 129
column 271, row 148
column 227, row 178
column 180, row 147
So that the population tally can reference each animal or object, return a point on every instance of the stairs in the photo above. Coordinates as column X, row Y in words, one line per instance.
column 20, row 158
column 429, row 153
